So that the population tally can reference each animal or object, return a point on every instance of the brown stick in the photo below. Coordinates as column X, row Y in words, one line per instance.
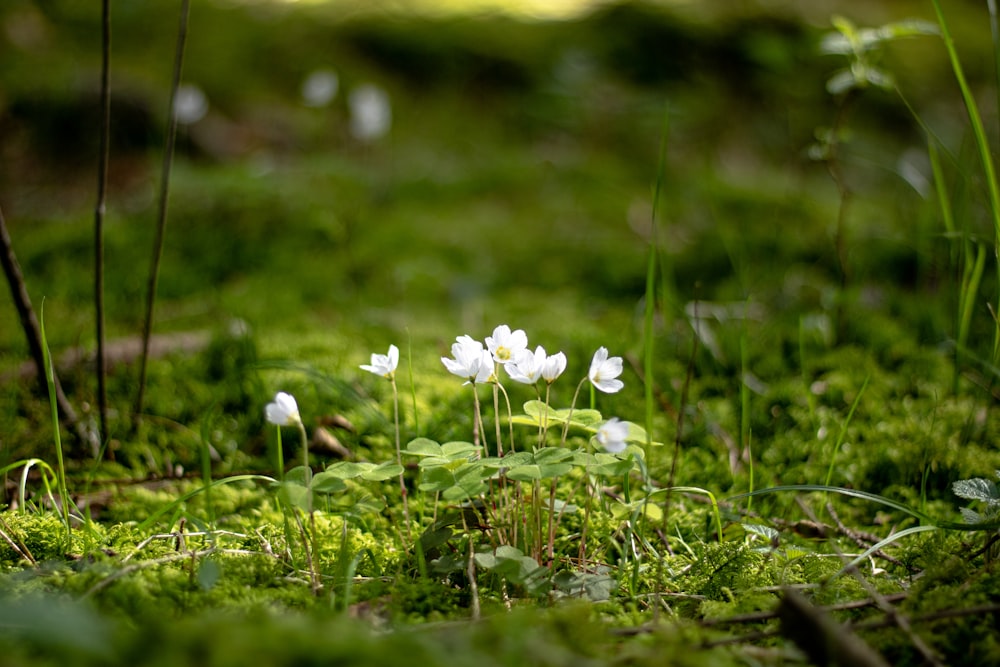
column 33, row 335
column 161, row 217
column 102, row 186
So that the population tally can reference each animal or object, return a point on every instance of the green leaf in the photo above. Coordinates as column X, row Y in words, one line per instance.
column 346, row 469
column 976, row 489
column 537, row 412
column 434, row 537
column 297, row 475
column 525, row 473
column 382, row 472
column 536, row 409
column 209, row 572
column 436, row 479
column 768, row 533
column 610, row 465
column 423, row 447
column 547, row 455
column 842, row 81
column 971, row 516
column 552, row 470
column 296, row 495
column 585, row 418
column 595, row 586
column 458, row 450
column 327, row 482
column 908, row 28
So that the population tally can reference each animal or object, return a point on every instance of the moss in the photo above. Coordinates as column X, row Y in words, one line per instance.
column 39, row 537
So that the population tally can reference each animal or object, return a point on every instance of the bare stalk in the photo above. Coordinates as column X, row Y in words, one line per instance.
column 102, row 186
column 168, row 158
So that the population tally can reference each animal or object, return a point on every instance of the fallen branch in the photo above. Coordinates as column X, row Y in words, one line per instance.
column 33, row 335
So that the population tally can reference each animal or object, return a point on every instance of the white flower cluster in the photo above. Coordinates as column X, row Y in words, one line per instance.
column 477, row 362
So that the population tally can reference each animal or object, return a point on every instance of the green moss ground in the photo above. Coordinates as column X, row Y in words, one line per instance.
column 515, row 187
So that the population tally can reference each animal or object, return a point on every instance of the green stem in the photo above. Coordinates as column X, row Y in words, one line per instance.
column 569, row 415
column 982, row 145
column 399, row 460
column 843, row 429
column 53, row 406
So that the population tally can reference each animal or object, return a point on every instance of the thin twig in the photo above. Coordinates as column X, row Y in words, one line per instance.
column 168, row 157
column 181, row 555
column 19, row 547
column 861, row 540
column 898, row 619
column 102, row 186
column 33, row 335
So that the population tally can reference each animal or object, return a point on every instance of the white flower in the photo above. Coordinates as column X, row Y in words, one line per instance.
column 612, row 435
column 190, row 104
column 604, row 371
column 371, row 113
column 471, row 360
column 384, row 364
column 553, row 367
column 283, row 411
column 504, row 343
column 527, row 366
column 320, row 87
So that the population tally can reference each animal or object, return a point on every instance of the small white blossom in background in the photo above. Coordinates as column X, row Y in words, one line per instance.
column 612, row 435
column 504, row 344
column 527, row 366
column 470, row 360
column 283, row 411
column 553, row 367
column 320, row 87
column 604, row 372
column 190, row 104
column 371, row 114
column 384, row 364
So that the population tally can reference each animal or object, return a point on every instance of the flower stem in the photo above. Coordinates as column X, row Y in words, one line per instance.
column 399, row 460
column 569, row 415
column 280, row 456
column 305, row 463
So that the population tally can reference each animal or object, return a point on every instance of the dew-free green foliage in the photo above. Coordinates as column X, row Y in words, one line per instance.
column 829, row 336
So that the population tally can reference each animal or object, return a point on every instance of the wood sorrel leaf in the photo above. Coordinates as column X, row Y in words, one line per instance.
column 327, row 482
column 346, row 470
column 423, row 447
column 382, row 472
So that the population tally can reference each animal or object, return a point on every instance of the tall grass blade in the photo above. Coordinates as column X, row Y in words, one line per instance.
column 60, row 466
column 982, row 145
column 649, row 313
column 843, row 429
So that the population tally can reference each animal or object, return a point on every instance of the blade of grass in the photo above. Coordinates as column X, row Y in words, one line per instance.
column 982, row 145
column 919, row 515
column 843, row 429
column 145, row 525
column 54, row 407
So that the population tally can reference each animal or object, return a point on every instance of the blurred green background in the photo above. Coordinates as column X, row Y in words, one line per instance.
column 507, row 173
